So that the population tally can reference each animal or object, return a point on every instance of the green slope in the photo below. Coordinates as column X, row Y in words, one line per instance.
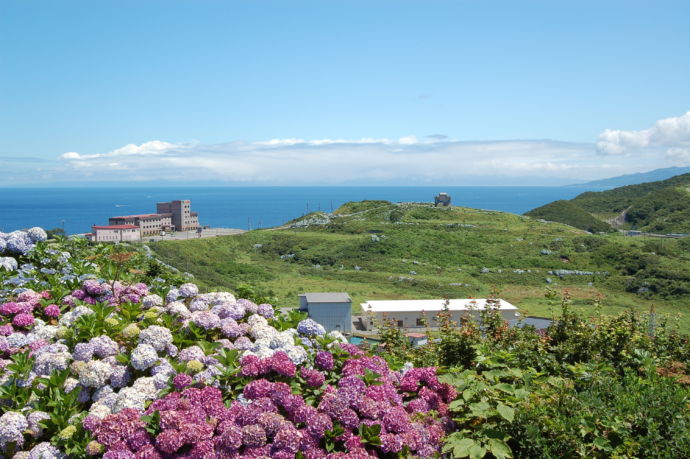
column 417, row 251
column 664, row 211
column 619, row 199
column 571, row 214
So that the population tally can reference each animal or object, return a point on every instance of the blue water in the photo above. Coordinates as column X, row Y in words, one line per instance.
column 241, row 207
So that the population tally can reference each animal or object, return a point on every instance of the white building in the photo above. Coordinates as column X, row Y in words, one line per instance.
column 333, row 310
column 115, row 233
column 411, row 313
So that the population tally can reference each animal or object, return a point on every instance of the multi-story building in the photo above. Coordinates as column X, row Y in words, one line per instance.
column 183, row 219
column 173, row 215
column 150, row 224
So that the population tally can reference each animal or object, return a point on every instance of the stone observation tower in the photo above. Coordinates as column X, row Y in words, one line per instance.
column 443, row 200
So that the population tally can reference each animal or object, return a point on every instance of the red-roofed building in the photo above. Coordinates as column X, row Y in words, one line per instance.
column 149, row 224
column 115, row 233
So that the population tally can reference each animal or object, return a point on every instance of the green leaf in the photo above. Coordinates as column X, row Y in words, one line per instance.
column 602, row 444
column 460, row 448
column 499, row 448
column 480, row 409
column 477, row 451
column 507, row 412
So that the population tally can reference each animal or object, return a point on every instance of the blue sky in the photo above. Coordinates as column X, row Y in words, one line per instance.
column 196, row 90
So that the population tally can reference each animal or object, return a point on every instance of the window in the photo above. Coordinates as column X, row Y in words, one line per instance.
column 420, row 322
column 400, row 323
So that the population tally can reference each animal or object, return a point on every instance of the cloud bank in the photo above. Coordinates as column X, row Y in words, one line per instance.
column 670, row 134
column 367, row 161
column 434, row 159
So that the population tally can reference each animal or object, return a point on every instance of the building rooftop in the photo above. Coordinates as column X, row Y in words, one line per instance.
column 327, row 297
column 114, row 227
column 143, row 216
column 429, row 305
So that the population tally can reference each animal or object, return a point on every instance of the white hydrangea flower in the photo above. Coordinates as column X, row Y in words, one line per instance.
column 94, row 373
column 99, row 410
column 198, row 304
column 45, row 451
column 297, row 354
column 12, row 427
column 255, row 320
column 40, row 331
column 177, row 308
column 70, row 384
column 143, row 356
column 215, row 298
column 158, row 337
column 152, row 300
column 337, row 336
column 68, row 318
column 136, row 396
column 8, row 263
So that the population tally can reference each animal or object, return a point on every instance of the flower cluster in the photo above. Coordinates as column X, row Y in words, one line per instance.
column 21, row 242
column 237, row 381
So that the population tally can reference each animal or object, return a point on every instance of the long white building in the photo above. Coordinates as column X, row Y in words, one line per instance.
column 411, row 313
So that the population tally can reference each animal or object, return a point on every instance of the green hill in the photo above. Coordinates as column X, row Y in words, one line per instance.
column 619, row 199
column 664, row 211
column 571, row 214
column 392, row 251
column 654, row 207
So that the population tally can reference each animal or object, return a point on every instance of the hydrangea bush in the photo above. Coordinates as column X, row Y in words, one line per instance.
column 94, row 363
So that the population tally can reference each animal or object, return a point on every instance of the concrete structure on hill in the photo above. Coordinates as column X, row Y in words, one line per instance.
column 410, row 314
column 443, row 200
column 115, row 233
column 333, row 310
column 173, row 215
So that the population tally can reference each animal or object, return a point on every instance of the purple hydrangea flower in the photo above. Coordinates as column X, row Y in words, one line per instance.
column 266, row 310
column 23, row 320
column 52, row 310
column 324, row 360
column 188, row 290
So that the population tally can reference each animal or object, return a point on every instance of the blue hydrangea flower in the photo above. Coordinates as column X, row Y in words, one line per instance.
column 36, row 234
column 310, row 327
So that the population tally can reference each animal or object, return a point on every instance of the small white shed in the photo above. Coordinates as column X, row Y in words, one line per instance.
column 411, row 313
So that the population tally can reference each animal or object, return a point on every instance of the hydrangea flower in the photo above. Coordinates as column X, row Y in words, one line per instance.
column 309, row 327
column 7, row 263
column 160, row 338
column 188, row 290
column 12, row 427
column 143, row 356
column 37, row 234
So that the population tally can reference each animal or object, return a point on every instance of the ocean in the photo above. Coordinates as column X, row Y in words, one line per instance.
column 76, row 209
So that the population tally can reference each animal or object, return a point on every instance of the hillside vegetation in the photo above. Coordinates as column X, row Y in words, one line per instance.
column 654, row 207
column 391, row 251
column 571, row 214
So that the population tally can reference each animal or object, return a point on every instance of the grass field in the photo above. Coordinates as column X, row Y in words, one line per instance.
column 378, row 250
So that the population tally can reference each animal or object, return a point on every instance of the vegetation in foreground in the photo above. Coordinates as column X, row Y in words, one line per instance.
column 96, row 363
column 379, row 250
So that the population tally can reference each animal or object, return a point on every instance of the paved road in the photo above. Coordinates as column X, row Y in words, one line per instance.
column 183, row 235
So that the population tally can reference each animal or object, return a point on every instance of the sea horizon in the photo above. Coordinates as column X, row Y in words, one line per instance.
column 244, row 207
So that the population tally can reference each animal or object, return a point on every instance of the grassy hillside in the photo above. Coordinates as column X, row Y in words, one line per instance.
column 619, row 199
column 389, row 251
column 666, row 210
column 569, row 213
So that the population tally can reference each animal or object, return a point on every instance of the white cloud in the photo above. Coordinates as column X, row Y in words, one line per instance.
column 152, row 148
column 670, row 133
column 291, row 161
